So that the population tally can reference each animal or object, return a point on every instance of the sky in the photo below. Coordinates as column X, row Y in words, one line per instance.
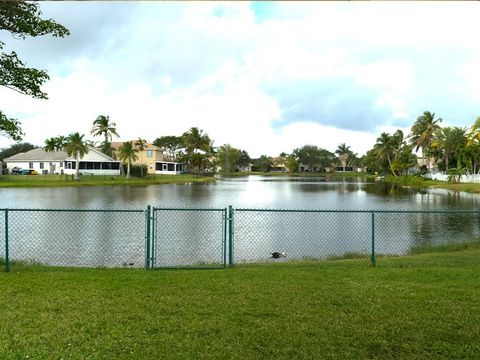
column 265, row 77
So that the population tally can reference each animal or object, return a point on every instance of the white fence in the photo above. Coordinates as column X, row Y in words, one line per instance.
column 442, row 176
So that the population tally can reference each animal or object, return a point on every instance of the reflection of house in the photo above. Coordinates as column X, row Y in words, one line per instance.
column 58, row 162
column 279, row 164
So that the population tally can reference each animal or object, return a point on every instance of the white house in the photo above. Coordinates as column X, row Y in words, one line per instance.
column 58, row 162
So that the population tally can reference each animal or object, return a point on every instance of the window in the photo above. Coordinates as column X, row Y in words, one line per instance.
column 61, row 165
column 149, row 153
column 171, row 167
column 42, row 165
column 30, row 165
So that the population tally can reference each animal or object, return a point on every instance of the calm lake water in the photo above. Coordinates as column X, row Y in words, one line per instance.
column 251, row 191
column 196, row 237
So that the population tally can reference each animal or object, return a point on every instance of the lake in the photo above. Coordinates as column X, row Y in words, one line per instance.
column 190, row 238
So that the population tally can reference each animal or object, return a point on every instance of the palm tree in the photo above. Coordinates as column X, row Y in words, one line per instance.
column 128, row 154
column 385, row 149
column 194, row 141
column 141, row 144
column 74, row 145
column 54, row 143
column 103, row 127
column 343, row 151
column 453, row 141
column 423, row 131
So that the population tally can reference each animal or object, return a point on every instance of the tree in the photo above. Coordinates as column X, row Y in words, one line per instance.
column 198, row 148
column 22, row 19
column 404, row 160
column 263, row 163
column 74, row 145
column 128, row 154
column 292, row 164
column 385, row 149
column 314, row 157
column 170, row 144
column 343, row 151
column 103, row 127
column 140, row 145
column 453, row 140
column 244, row 159
column 423, row 131
column 227, row 158
column 16, row 149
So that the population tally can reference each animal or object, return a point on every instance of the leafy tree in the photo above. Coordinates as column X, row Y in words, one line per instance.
column 404, row 160
column 227, row 158
column 292, row 164
column 127, row 153
column 423, row 131
column 344, row 153
column 385, row 148
column 103, row 127
column 244, row 159
column 22, row 19
column 171, row 145
column 16, row 149
column 263, row 163
column 453, row 141
column 54, row 143
column 75, row 145
column 314, row 157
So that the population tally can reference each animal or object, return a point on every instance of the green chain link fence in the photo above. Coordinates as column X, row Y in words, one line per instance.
column 216, row 238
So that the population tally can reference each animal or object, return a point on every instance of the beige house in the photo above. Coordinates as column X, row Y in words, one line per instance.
column 148, row 156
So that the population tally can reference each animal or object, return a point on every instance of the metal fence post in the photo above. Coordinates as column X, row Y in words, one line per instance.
column 147, row 236
column 7, row 259
column 372, row 259
column 230, row 235
column 225, row 219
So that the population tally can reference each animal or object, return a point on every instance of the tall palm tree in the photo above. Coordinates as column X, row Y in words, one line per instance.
column 141, row 144
column 473, row 134
column 453, row 140
column 128, row 154
column 54, row 143
column 343, row 151
column 385, row 149
column 423, row 131
column 103, row 127
column 74, row 145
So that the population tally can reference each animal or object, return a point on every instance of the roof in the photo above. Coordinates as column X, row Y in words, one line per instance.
column 38, row 155
column 116, row 144
column 42, row 155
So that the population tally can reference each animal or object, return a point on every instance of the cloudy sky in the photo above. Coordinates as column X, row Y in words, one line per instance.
column 264, row 77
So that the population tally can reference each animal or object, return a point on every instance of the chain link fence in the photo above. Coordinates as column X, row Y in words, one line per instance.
column 86, row 238
column 216, row 238
column 189, row 238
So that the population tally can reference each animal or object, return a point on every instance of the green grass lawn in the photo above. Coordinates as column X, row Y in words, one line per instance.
column 424, row 306
column 99, row 180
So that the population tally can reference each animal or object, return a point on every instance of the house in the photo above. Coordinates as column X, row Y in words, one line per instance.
column 58, row 162
column 154, row 158
column 245, row 168
column 279, row 164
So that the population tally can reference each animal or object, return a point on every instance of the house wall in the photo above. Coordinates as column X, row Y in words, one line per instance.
column 49, row 167
column 159, row 168
column 144, row 159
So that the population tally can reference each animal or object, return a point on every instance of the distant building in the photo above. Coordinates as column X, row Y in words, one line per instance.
column 279, row 164
column 154, row 158
column 58, row 162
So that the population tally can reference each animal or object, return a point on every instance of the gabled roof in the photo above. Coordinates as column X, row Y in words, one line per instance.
column 42, row 155
column 38, row 155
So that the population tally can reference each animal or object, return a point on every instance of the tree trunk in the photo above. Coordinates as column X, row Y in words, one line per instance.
column 446, row 162
column 128, row 170
column 77, row 168
column 390, row 164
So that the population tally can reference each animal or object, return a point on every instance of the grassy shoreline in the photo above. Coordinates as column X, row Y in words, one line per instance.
column 25, row 181
column 416, row 307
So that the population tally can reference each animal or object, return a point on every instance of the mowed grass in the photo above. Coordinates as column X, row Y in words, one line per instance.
column 8, row 181
column 424, row 306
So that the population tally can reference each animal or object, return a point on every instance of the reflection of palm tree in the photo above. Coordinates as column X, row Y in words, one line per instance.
column 343, row 151
column 103, row 127
column 423, row 131
column 127, row 153
column 75, row 146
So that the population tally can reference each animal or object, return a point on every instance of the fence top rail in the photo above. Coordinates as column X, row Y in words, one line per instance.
column 371, row 211
column 74, row 210
column 188, row 209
